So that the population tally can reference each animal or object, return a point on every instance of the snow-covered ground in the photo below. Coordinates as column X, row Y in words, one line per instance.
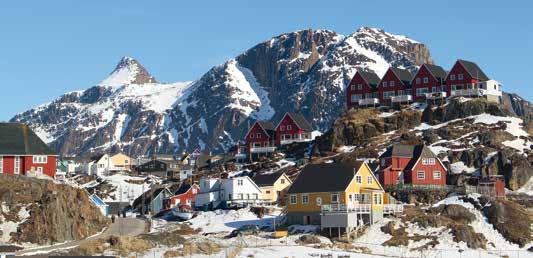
column 219, row 221
column 7, row 227
column 126, row 189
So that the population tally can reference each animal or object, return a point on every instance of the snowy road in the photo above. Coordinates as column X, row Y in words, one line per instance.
column 121, row 227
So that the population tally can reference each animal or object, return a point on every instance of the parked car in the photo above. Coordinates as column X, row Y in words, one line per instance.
column 246, row 230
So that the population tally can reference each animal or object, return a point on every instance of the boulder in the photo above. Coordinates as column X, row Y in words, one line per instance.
column 511, row 220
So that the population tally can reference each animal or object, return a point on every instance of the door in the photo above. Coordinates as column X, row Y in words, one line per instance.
column 306, row 220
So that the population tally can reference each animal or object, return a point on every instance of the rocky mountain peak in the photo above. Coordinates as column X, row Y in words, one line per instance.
column 128, row 71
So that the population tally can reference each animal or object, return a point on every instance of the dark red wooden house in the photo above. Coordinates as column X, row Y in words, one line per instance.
column 429, row 79
column 22, row 152
column 293, row 127
column 362, row 86
column 410, row 164
column 261, row 137
column 395, row 86
column 464, row 75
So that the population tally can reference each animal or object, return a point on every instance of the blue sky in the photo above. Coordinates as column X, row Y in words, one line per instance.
column 48, row 48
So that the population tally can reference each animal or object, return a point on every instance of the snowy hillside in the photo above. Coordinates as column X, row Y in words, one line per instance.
column 303, row 71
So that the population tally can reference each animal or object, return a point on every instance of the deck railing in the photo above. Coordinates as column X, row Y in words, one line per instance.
column 392, row 208
column 402, row 98
column 262, row 149
column 342, row 208
column 368, row 101
column 436, row 95
column 469, row 92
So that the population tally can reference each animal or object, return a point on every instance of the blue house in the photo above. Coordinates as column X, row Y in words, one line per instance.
column 104, row 208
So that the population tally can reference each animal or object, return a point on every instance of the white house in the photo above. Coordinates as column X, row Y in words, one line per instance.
column 217, row 192
column 100, row 165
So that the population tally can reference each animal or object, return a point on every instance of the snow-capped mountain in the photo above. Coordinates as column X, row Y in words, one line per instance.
column 303, row 71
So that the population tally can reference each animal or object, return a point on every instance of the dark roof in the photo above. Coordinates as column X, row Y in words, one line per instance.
column 370, row 77
column 437, row 71
column 403, row 74
column 300, row 120
column 183, row 188
column 474, row 70
column 19, row 139
column 266, row 179
column 268, row 126
column 148, row 196
column 327, row 177
column 399, row 150
column 420, row 151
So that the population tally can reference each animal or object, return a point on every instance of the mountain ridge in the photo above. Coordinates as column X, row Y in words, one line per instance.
column 304, row 71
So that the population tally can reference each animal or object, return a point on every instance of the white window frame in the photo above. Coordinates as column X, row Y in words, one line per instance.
column 426, row 80
column 252, row 136
column 369, row 180
column 359, row 86
column 40, row 159
column 40, row 170
column 1, row 164
column 358, row 179
column 240, row 182
column 336, row 196
column 258, row 135
column 305, row 198
column 421, row 172
column 417, row 81
column 16, row 166
column 437, row 174
column 289, row 127
column 460, row 76
column 293, row 199
column 391, row 84
column 452, row 77
column 431, row 161
column 282, row 128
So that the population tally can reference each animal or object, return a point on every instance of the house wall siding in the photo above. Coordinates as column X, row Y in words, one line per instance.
column 422, row 73
column 412, row 178
column 264, row 139
column 458, row 68
column 287, row 121
column 398, row 85
column 357, row 79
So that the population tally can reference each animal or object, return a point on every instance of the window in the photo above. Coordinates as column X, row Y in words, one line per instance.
column 452, row 77
column 267, row 192
column 126, row 161
column 358, row 179
column 282, row 181
column 426, row 79
column 388, row 94
column 428, row 161
column 434, row 89
column 417, row 81
column 356, row 97
column 318, row 201
column 293, row 199
column 401, row 92
column 282, row 128
column 357, row 197
column 189, row 201
column 335, row 198
column 454, row 87
column 17, row 165
column 421, row 175
column 391, row 83
column 351, row 197
column 40, row 159
column 305, row 198
column 359, row 86
column 194, row 191
column 239, row 182
column 377, row 199
column 384, row 84
column 289, row 127
column 1, row 164
column 352, row 87
column 258, row 135
column 39, row 170
column 255, row 196
column 252, row 136
column 436, row 174
column 460, row 76
column 239, row 196
column 247, row 196
column 421, row 92
column 369, row 180
column 230, row 196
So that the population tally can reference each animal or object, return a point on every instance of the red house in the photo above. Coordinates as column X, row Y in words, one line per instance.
column 395, row 86
column 464, row 75
column 410, row 164
column 293, row 127
column 261, row 137
column 22, row 152
column 184, row 196
column 362, row 90
column 429, row 79
column 491, row 186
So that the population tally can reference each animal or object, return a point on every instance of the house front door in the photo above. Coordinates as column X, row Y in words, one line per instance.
column 306, row 220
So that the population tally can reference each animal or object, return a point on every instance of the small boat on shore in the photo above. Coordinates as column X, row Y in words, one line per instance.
column 183, row 214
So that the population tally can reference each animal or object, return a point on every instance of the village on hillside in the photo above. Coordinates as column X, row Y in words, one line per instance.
column 383, row 185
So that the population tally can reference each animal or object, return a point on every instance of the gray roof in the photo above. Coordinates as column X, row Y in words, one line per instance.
column 420, row 151
column 266, row 179
column 268, row 126
column 403, row 74
column 399, row 150
column 370, row 77
column 300, row 120
column 19, row 139
column 437, row 71
column 327, row 177
column 474, row 70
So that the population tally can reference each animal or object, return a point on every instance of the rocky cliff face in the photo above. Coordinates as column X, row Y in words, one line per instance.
column 303, row 71
column 42, row 212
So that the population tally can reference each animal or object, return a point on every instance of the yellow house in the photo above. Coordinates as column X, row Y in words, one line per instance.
column 336, row 195
column 121, row 162
column 272, row 185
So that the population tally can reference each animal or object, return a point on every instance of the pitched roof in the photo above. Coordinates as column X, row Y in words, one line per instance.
column 300, row 120
column 268, row 126
column 266, row 179
column 437, row 71
column 474, row 70
column 399, row 150
column 420, row 151
column 327, row 177
column 19, row 139
column 370, row 77
column 403, row 74
column 183, row 189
